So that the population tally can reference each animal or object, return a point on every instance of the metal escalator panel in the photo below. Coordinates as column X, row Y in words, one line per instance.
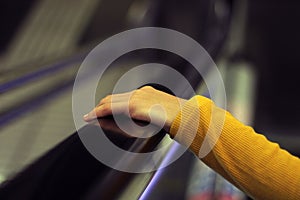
column 69, row 171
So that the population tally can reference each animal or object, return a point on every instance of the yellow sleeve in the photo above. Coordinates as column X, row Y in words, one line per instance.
column 247, row 159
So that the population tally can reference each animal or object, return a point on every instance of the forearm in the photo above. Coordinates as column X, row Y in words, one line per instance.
column 245, row 158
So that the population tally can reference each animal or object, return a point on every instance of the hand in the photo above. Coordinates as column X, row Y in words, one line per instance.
column 145, row 104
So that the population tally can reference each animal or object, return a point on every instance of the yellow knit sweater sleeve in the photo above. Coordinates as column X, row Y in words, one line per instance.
column 247, row 159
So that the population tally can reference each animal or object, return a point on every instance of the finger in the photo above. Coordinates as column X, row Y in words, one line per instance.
column 90, row 116
column 115, row 98
column 106, row 110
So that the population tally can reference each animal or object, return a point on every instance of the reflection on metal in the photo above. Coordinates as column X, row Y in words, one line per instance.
column 136, row 189
column 157, row 176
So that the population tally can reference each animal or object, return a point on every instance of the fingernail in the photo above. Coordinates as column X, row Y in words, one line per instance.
column 86, row 116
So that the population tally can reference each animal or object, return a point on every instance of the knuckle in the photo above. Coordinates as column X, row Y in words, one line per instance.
column 135, row 94
column 105, row 108
column 147, row 88
column 107, row 97
column 142, row 91
column 132, row 105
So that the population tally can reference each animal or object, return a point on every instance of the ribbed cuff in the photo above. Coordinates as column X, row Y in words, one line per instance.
column 192, row 122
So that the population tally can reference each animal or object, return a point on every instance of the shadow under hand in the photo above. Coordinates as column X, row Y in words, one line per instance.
column 139, row 137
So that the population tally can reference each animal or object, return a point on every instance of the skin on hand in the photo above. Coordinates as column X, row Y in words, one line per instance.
column 145, row 104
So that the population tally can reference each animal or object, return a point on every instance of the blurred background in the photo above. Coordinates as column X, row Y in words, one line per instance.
column 43, row 42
